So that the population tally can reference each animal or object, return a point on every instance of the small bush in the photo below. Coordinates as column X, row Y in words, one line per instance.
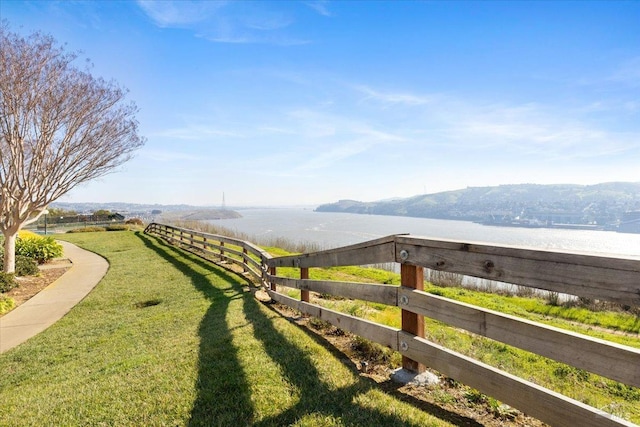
column 25, row 234
column 134, row 221
column 6, row 304
column 319, row 324
column 553, row 298
column 7, row 282
column 26, row 266
column 42, row 249
column 475, row 397
column 374, row 352
column 87, row 230
column 117, row 227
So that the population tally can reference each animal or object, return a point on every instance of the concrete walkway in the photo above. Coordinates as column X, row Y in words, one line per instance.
column 54, row 301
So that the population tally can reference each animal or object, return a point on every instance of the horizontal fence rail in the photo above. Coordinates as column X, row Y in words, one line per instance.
column 603, row 278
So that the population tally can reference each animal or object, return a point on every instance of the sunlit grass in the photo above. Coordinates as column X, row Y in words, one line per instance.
column 168, row 339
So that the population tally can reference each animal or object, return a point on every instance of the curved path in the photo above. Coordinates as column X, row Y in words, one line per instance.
column 54, row 301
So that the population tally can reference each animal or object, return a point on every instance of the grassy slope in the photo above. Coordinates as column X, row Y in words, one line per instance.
column 166, row 339
column 613, row 397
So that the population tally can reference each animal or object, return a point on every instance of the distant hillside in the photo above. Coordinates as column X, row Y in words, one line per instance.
column 563, row 203
column 153, row 211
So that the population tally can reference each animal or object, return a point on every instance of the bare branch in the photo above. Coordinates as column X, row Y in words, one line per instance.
column 59, row 126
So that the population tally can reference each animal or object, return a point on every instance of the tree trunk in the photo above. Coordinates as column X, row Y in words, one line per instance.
column 9, row 251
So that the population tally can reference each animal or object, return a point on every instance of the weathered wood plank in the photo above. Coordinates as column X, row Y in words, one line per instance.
column 618, row 362
column 226, row 249
column 604, row 278
column 229, row 240
column 384, row 294
column 384, row 335
column 252, row 262
column 372, row 252
column 534, row 400
column 255, row 250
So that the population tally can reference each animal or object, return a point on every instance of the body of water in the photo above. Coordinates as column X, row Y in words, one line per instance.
column 330, row 230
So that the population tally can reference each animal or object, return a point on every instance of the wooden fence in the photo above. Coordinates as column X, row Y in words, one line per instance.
column 602, row 278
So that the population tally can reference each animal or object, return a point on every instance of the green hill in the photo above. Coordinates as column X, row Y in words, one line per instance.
column 600, row 204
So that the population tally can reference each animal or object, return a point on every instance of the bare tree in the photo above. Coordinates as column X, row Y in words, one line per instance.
column 59, row 127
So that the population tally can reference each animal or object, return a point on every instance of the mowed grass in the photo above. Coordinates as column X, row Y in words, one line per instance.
column 168, row 339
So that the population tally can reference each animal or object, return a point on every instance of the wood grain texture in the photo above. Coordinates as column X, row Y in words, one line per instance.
column 615, row 361
column 372, row 252
column 604, row 278
column 546, row 405
column 384, row 294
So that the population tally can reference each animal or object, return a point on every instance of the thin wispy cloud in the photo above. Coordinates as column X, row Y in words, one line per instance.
column 320, row 6
column 158, row 155
column 338, row 138
column 180, row 13
column 312, row 124
column 539, row 130
column 330, row 156
column 392, row 97
column 196, row 133
column 224, row 21
column 628, row 73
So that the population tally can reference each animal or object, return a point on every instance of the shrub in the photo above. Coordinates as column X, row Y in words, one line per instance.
column 24, row 234
column 374, row 352
column 134, row 221
column 7, row 282
column 26, row 266
column 117, row 227
column 87, row 230
column 42, row 249
column 6, row 304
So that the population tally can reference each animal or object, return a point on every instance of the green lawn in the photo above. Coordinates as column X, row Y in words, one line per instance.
column 168, row 339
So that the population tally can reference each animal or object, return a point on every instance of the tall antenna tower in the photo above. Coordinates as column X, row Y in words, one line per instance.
column 224, row 204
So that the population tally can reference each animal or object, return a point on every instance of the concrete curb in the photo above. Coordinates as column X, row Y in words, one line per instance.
column 54, row 301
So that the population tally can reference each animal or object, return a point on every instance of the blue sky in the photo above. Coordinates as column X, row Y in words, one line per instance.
column 308, row 102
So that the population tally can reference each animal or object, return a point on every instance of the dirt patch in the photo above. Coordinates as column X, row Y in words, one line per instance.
column 31, row 285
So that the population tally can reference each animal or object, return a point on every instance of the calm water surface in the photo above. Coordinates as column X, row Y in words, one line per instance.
column 331, row 230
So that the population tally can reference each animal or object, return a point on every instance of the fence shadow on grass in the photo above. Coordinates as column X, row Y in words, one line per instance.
column 223, row 397
column 392, row 388
column 317, row 397
column 223, row 391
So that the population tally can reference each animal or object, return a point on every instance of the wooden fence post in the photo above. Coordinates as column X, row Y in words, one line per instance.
column 272, row 271
column 221, row 251
column 412, row 276
column 304, row 274
column 244, row 260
